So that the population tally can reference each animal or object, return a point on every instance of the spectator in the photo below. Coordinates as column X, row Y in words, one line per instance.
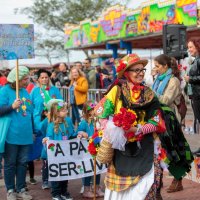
column 193, row 78
column 167, row 87
column 79, row 65
column 78, row 93
column 90, row 73
column 61, row 77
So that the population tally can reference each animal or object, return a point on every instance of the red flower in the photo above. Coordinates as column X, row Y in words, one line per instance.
column 122, row 65
column 124, row 119
column 179, row 67
column 185, row 68
column 47, row 88
column 92, row 149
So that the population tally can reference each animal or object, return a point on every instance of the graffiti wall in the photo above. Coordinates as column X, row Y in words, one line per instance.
column 119, row 22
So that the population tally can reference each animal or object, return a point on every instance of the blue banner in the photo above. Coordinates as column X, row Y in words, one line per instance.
column 16, row 41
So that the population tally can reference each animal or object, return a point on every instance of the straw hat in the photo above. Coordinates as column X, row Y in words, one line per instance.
column 128, row 61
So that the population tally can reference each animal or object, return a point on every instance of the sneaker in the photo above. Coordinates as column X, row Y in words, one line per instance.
column 191, row 130
column 11, row 195
column 57, row 197
column 82, row 190
column 45, row 185
column 66, row 197
column 187, row 129
column 33, row 181
column 24, row 195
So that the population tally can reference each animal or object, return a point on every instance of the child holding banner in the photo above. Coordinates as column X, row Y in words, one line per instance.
column 59, row 127
column 86, row 130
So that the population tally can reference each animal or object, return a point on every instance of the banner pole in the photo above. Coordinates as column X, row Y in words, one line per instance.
column 94, row 179
column 17, row 79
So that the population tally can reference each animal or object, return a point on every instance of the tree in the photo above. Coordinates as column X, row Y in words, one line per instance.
column 53, row 14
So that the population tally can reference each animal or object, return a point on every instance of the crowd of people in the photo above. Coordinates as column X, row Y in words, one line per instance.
column 40, row 114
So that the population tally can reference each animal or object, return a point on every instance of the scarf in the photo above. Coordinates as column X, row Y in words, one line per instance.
column 161, row 82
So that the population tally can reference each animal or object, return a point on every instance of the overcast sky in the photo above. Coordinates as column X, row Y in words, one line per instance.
column 7, row 16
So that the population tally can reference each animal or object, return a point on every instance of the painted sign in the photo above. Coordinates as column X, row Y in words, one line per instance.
column 70, row 159
column 119, row 22
column 16, row 41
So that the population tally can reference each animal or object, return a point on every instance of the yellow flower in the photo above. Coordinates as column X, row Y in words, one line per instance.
column 100, row 133
column 90, row 140
column 23, row 107
column 23, row 99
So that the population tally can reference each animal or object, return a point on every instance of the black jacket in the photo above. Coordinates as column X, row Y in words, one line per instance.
column 194, row 80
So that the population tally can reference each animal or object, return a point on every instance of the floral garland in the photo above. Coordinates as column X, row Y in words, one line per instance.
column 94, row 142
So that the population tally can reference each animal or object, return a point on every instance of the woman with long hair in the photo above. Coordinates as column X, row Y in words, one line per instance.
column 78, row 93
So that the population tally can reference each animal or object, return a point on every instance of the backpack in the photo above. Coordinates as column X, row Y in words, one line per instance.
column 182, row 107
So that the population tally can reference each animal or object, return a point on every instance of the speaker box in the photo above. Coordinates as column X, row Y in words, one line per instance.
column 174, row 40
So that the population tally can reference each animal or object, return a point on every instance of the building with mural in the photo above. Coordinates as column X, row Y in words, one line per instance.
column 121, row 27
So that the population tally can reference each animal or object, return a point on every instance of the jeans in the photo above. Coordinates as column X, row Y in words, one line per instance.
column 88, row 179
column 45, row 171
column 59, row 188
column 75, row 113
column 15, row 166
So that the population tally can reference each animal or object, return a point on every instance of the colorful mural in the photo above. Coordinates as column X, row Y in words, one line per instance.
column 119, row 22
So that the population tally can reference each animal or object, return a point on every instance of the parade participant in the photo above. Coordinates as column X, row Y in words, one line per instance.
column 78, row 93
column 60, row 127
column 167, row 87
column 135, row 141
column 194, row 75
column 40, row 95
column 86, row 130
column 19, row 134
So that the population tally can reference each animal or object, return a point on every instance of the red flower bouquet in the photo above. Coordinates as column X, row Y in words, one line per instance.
column 94, row 142
column 125, row 119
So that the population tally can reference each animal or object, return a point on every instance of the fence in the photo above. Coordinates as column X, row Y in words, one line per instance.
column 93, row 94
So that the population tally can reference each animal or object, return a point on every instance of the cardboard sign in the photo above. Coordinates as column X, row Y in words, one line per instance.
column 70, row 159
column 16, row 41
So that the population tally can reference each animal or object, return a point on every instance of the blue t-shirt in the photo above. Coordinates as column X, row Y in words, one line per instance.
column 65, row 131
column 38, row 105
column 84, row 126
column 20, row 131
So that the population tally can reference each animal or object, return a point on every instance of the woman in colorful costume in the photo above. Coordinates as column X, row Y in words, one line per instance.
column 132, row 122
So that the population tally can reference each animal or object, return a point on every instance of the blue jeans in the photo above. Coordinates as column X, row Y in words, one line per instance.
column 75, row 113
column 15, row 166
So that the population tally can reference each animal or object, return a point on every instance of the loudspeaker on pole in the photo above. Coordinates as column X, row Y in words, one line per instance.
column 175, row 40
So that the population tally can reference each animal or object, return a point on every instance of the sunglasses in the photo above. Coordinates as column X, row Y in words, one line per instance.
column 137, row 71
